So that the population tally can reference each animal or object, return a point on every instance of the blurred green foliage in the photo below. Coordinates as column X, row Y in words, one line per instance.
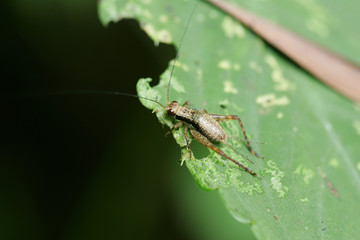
column 311, row 178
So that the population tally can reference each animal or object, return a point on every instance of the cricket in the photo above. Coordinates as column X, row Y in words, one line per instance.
column 203, row 126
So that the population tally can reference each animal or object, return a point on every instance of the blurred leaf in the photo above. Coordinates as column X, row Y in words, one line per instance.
column 311, row 172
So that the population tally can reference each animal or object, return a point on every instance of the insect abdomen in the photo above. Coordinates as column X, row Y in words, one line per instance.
column 202, row 122
column 209, row 127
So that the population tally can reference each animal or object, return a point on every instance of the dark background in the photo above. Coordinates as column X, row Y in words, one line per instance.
column 80, row 166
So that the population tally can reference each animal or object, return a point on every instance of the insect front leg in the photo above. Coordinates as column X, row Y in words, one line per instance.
column 222, row 118
column 207, row 143
column 176, row 126
column 187, row 142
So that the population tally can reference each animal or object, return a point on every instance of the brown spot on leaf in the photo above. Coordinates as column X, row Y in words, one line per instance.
column 332, row 189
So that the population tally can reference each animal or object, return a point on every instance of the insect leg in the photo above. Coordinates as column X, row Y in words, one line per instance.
column 206, row 142
column 224, row 142
column 187, row 141
column 187, row 104
column 222, row 118
column 176, row 126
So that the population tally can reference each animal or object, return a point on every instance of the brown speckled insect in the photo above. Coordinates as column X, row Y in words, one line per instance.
column 203, row 126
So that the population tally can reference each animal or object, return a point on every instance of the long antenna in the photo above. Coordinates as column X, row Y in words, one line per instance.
column 126, row 94
column 77, row 92
column 178, row 50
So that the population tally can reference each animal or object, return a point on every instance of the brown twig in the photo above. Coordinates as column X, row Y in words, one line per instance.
column 330, row 68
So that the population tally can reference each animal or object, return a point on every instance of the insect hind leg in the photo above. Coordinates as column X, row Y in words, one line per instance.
column 222, row 118
column 206, row 142
column 224, row 142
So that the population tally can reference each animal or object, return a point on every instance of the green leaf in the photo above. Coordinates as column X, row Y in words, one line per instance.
column 311, row 172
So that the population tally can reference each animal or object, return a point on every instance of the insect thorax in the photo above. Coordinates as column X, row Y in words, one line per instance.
column 185, row 114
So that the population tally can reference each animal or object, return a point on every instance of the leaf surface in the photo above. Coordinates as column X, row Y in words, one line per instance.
column 311, row 172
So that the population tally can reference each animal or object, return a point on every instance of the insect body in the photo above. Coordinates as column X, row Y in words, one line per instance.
column 205, row 128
